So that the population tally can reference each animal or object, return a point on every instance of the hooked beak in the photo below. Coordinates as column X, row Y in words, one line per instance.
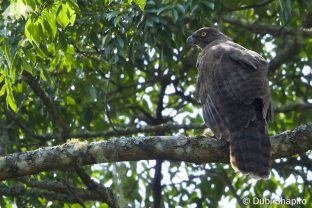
column 190, row 40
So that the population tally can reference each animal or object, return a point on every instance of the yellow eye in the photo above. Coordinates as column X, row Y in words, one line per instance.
column 203, row 34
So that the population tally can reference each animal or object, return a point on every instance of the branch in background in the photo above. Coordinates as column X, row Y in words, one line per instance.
column 228, row 182
column 303, row 160
column 21, row 124
column 35, row 86
column 124, row 89
column 157, row 184
column 106, row 193
column 269, row 29
column 164, row 128
column 187, row 98
column 300, row 106
column 252, row 6
column 143, row 114
column 54, row 186
column 62, row 194
column 175, row 148
column 291, row 47
column 60, row 188
column 143, row 129
column 160, row 103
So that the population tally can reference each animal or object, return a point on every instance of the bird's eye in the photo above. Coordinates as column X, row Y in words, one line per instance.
column 203, row 34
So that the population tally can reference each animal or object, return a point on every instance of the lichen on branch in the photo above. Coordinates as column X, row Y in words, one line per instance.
column 195, row 149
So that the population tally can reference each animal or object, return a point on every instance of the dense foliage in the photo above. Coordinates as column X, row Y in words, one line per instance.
column 70, row 67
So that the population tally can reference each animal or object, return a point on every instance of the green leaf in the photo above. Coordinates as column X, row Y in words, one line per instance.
column 66, row 15
column 180, row 8
column 50, row 19
column 209, row 4
column 162, row 9
column 43, row 74
column 26, row 66
column 19, row 87
column 120, row 42
column 1, row 78
column 7, row 52
column 286, row 10
column 40, row 52
column 62, row 18
column 11, row 102
column 35, row 30
column 12, row 68
column 28, row 30
column 3, row 89
column 70, row 100
column 140, row 3
column 93, row 92
column 175, row 15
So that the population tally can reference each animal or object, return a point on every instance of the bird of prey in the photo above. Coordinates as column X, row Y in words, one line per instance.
column 233, row 89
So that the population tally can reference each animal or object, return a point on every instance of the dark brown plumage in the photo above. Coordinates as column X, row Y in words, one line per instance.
column 233, row 89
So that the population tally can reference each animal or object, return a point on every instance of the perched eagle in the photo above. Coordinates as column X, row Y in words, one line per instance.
column 233, row 89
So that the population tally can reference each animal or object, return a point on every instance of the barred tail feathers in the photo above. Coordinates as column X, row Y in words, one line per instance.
column 250, row 150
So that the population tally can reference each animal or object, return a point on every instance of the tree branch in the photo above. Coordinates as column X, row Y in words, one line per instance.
column 291, row 47
column 63, row 196
column 164, row 128
column 106, row 193
column 252, row 6
column 228, row 182
column 298, row 106
column 35, row 86
column 21, row 124
column 196, row 149
column 269, row 29
column 142, row 129
column 157, row 184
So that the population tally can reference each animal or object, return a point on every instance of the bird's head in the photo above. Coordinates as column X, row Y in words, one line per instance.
column 203, row 36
